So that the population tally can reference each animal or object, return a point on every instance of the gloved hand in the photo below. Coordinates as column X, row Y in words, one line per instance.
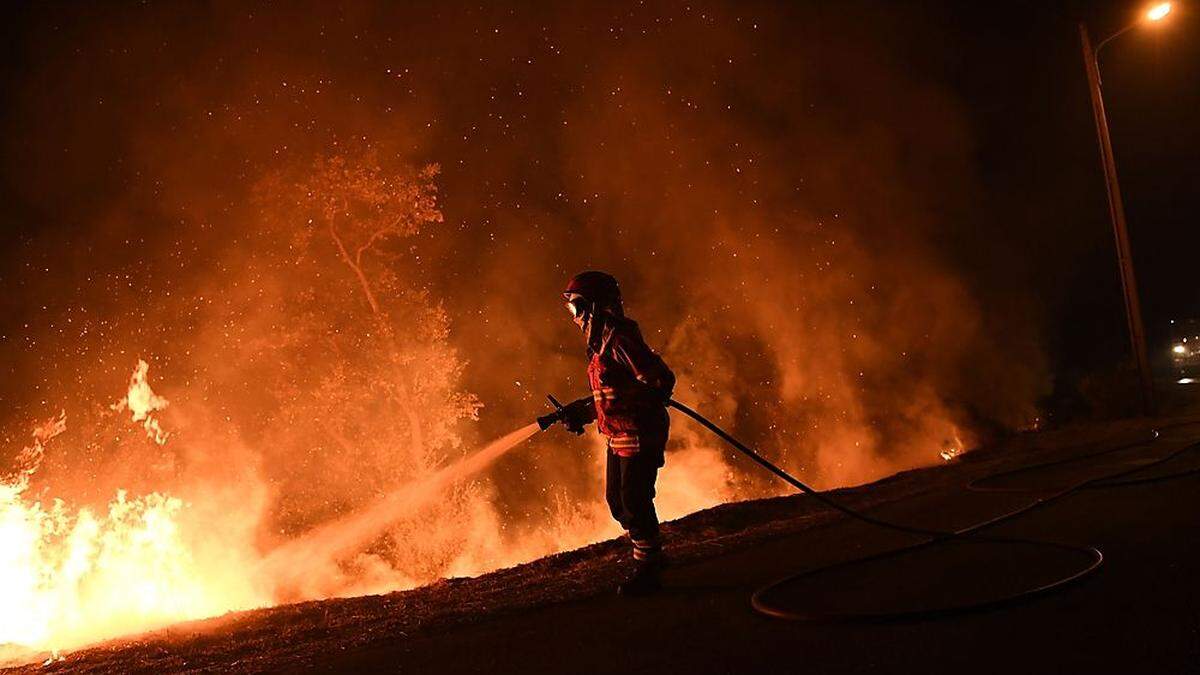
column 578, row 414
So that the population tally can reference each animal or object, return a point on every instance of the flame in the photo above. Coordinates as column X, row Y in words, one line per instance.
column 141, row 402
column 953, row 447
column 76, row 575
column 29, row 460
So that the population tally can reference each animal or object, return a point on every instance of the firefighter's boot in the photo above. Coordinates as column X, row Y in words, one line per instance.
column 646, row 579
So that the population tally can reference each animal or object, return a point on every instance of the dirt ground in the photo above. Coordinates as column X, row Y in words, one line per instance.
column 1140, row 612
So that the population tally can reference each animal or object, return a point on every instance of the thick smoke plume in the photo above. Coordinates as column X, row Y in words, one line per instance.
column 338, row 235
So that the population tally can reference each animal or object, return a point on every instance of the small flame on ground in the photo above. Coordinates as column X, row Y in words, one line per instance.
column 953, row 447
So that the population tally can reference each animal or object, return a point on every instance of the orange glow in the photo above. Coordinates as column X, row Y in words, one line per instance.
column 312, row 423
column 1159, row 11
column 142, row 403
column 953, row 447
column 312, row 429
column 76, row 575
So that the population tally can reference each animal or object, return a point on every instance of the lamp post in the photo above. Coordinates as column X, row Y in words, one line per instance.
column 1116, row 208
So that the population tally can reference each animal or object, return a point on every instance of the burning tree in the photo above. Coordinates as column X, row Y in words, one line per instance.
column 365, row 381
column 365, row 213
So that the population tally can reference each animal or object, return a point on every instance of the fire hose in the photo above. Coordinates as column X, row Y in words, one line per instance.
column 761, row 600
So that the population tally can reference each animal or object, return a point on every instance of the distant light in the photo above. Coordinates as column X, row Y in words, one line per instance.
column 1157, row 12
column 1185, row 380
column 1180, row 349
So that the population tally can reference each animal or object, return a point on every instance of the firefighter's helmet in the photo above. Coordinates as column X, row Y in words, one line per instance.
column 598, row 287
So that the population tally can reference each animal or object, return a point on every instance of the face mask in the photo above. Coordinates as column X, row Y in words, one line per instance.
column 580, row 309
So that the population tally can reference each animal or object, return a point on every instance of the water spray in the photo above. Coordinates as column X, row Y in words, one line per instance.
column 289, row 566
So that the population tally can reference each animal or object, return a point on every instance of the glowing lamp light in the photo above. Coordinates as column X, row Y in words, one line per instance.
column 1159, row 11
column 1179, row 349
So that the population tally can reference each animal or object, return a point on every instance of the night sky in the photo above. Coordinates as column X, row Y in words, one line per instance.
column 1022, row 77
column 1035, row 232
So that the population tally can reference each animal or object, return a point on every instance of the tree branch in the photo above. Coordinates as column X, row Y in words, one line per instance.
column 355, row 267
column 376, row 236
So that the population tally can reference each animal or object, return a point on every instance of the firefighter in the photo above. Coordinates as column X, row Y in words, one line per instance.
column 630, row 387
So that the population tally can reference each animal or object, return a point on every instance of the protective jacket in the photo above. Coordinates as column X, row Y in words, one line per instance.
column 630, row 386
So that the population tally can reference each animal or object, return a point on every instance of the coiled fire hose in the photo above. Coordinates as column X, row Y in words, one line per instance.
column 762, row 601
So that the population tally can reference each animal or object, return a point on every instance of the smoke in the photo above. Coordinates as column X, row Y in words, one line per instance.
column 784, row 193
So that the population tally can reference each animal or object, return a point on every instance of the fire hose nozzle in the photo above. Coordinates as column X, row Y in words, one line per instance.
column 550, row 419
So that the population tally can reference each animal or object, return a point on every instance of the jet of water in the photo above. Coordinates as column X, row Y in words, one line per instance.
column 287, row 565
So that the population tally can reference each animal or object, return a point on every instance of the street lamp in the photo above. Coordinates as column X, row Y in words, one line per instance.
column 1155, row 13
column 1116, row 208
column 1158, row 11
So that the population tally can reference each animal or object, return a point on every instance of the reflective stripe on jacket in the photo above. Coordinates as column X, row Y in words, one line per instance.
column 629, row 386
